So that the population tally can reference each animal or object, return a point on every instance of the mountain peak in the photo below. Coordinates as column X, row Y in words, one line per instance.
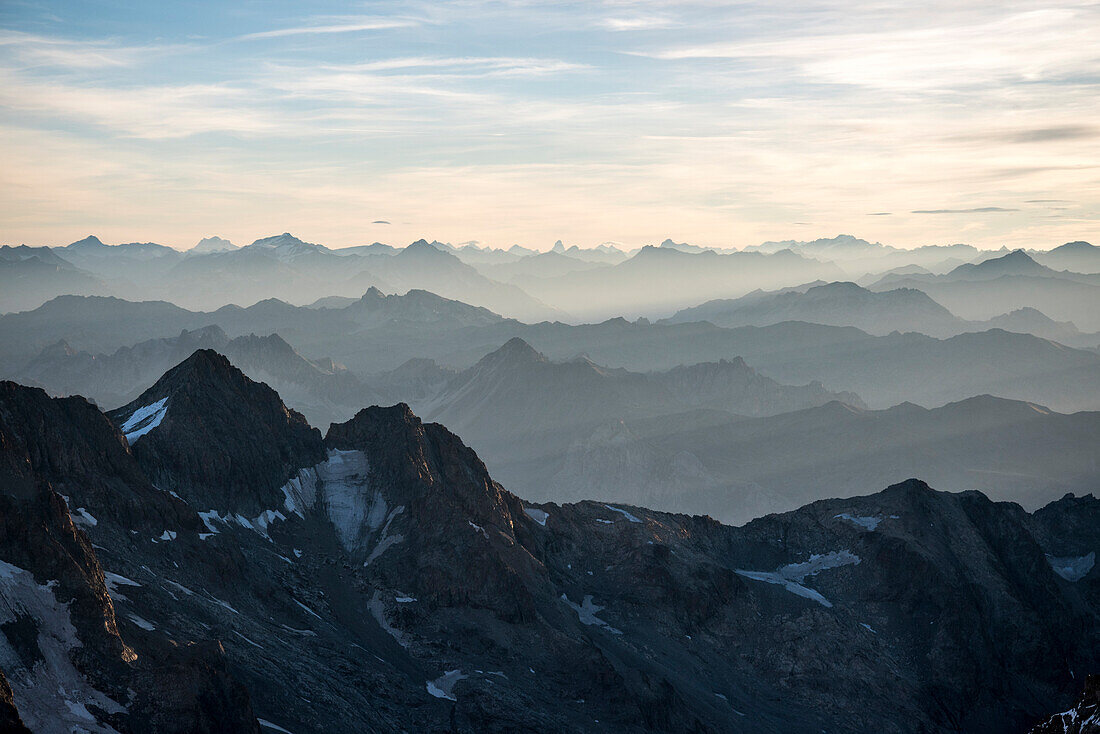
column 89, row 242
column 372, row 295
column 213, row 244
column 1076, row 246
column 514, row 351
column 195, row 432
column 423, row 248
column 285, row 246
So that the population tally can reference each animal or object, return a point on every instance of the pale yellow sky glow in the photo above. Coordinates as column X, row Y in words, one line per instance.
column 518, row 122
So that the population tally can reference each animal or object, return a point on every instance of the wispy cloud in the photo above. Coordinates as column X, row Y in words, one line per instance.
column 345, row 25
column 528, row 121
column 636, row 23
column 976, row 210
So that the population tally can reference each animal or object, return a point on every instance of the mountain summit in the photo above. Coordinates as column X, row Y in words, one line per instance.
column 216, row 438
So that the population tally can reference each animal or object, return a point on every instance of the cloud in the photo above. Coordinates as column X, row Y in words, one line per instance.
column 349, row 25
column 977, row 210
column 379, row 221
column 28, row 50
column 879, row 214
column 1048, row 134
column 945, row 55
column 636, row 23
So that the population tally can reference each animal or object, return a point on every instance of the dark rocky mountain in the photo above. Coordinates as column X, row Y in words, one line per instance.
column 837, row 304
column 398, row 587
column 1084, row 718
column 71, row 661
column 196, row 432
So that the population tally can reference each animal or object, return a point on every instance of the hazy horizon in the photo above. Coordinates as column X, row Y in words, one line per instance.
column 543, row 247
column 529, row 122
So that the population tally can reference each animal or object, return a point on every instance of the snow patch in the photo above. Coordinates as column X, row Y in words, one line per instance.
column 303, row 606
column 168, row 535
column 140, row 622
column 624, row 513
column 348, row 502
column 144, row 419
column 443, row 686
column 378, row 611
column 83, row 517
column 53, row 695
column 386, row 541
column 274, row 727
column 791, row 576
column 537, row 515
column 477, row 528
column 113, row 581
column 1073, row 568
column 868, row 523
column 300, row 492
column 587, row 611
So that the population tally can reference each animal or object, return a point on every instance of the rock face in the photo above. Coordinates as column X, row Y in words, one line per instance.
column 1084, row 718
column 390, row 584
column 216, row 438
column 63, row 648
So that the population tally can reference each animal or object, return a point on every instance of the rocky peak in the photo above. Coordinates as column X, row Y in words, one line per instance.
column 515, row 351
column 422, row 490
column 70, row 444
column 1084, row 718
column 63, row 652
column 372, row 295
column 88, row 243
column 215, row 437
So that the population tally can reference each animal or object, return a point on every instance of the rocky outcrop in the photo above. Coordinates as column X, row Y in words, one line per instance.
column 399, row 587
column 216, row 438
column 62, row 649
column 1084, row 718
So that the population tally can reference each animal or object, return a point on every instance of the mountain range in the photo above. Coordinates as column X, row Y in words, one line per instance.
column 377, row 578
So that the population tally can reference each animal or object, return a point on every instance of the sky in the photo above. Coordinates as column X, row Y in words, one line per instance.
column 515, row 122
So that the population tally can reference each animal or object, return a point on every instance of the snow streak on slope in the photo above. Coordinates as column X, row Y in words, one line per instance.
column 144, row 419
column 791, row 577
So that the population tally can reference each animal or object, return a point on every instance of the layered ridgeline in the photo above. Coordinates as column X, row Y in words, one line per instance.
column 322, row 389
column 379, row 579
column 721, row 439
column 376, row 333
column 715, row 438
column 877, row 312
